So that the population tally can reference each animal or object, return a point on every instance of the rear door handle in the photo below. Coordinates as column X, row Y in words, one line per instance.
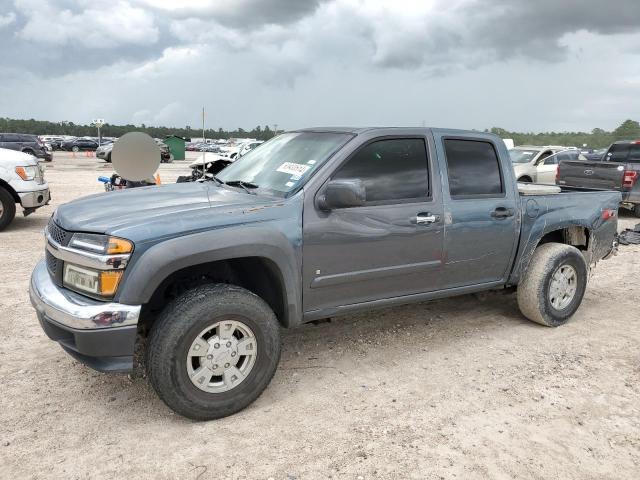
column 426, row 218
column 502, row 212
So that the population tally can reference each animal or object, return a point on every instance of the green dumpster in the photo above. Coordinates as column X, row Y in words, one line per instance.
column 176, row 146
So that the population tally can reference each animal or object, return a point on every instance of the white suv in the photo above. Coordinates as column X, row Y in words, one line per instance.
column 21, row 181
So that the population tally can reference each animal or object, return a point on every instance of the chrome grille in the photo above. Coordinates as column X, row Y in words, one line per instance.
column 58, row 234
column 52, row 263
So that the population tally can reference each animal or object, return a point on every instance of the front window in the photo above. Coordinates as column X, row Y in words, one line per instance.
column 522, row 156
column 285, row 162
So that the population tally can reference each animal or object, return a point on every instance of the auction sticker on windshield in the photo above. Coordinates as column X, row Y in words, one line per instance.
column 292, row 168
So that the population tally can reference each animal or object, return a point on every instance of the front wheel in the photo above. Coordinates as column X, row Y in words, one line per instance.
column 213, row 351
column 75, row 149
column 7, row 208
column 553, row 285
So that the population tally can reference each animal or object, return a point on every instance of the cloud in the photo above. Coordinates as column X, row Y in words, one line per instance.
column 241, row 14
column 6, row 20
column 323, row 61
column 102, row 25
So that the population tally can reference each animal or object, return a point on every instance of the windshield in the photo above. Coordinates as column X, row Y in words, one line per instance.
column 522, row 156
column 284, row 162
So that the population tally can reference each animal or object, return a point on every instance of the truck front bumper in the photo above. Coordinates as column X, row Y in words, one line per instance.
column 100, row 334
column 35, row 199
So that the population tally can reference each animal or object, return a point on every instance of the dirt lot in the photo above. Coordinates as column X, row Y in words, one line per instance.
column 461, row 388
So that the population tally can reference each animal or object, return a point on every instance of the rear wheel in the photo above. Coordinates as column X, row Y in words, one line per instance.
column 108, row 159
column 75, row 149
column 7, row 208
column 636, row 210
column 553, row 285
column 213, row 351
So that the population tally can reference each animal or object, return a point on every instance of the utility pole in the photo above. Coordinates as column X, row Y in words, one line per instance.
column 204, row 140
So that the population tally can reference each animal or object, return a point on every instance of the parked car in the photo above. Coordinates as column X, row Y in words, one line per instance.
column 104, row 152
column 79, row 145
column 313, row 224
column 25, row 143
column 52, row 141
column 247, row 147
column 618, row 170
column 21, row 182
column 595, row 155
column 527, row 159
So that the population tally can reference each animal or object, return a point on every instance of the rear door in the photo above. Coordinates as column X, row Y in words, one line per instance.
column 547, row 169
column 481, row 214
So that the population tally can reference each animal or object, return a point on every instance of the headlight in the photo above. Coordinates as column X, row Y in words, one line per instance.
column 103, row 283
column 100, row 244
column 27, row 173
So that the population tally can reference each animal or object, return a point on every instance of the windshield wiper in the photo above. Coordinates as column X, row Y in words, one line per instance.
column 246, row 186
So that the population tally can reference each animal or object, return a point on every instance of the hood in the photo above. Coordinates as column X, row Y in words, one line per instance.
column 13, row 158
column 142, row 213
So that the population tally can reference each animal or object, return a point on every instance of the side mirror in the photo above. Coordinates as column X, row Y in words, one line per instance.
column 343, row 194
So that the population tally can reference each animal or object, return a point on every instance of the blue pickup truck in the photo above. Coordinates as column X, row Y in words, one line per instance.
column 312, row 224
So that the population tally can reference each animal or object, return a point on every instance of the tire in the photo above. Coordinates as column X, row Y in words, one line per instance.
column 108, row 159
column 636, row 210
column 173, row 338
column 7, row 208
column 535, row 295
column 75, row 149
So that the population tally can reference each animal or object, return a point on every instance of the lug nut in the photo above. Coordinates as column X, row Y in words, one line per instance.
column 228, row 344
column 209, row 357
column 226, row 365
column 215, row 367
column 233, row 354
column 217, row 345
column 197, row 347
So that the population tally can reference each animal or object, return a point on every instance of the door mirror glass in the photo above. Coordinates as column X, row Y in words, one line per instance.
column 343, row 193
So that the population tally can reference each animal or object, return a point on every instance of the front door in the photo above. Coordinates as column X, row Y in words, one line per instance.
column 481, row 214
column 389, row 247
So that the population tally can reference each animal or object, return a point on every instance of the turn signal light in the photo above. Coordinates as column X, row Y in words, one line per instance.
column 109, row 281
column 119, row 245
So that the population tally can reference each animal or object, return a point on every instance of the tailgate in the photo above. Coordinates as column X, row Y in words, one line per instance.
column 603, row 175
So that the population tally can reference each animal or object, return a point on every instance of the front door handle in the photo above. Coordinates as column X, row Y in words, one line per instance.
column 426, row 218
column 502, row 212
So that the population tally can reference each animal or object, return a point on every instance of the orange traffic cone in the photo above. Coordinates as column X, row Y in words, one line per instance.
column 158, row 181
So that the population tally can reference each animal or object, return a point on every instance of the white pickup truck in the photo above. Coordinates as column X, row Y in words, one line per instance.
column 21, row 181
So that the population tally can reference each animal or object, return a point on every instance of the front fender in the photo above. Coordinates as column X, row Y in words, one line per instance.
column 258, row 240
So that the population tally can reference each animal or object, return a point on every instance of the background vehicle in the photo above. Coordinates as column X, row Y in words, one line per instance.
column 313, row 224
column 618, row 170
column 104, row 152
column 527, row 159
column 247, row 147
column 21, row 182
column 595, row 155
column 79, row 145
column 29, row 144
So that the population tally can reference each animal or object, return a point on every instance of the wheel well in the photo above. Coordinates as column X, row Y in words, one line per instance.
column 575, row 235
column 28, row 151
column 525, row 178
column 257, row 274
column 10, row 189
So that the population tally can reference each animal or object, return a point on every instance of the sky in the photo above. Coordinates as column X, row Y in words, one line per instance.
column 523, row 65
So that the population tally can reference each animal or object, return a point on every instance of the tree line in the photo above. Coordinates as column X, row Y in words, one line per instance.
column 43, row 127
column 597, row 138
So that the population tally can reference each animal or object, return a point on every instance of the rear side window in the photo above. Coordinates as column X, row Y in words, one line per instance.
column 391, row 170
column 27, row 138
column 473, row 168
column 634, row 153
column 10, row 137
column 618, row 152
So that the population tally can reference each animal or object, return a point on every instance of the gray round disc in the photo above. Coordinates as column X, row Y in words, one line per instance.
column 135, row 156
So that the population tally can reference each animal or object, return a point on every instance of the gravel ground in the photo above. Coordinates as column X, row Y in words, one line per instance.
column 458, row 388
